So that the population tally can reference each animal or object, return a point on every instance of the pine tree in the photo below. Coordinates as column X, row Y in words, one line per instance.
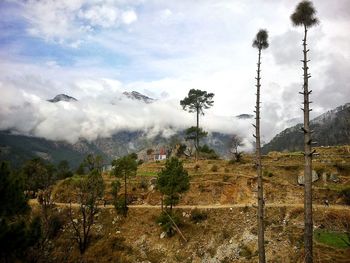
column 172, row 181
column 123, row 168
column 197, row 101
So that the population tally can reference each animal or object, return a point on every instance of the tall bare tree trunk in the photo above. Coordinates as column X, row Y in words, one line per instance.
column 125, row 197
column 197, row 135
column 261, row 227
column 308, row 232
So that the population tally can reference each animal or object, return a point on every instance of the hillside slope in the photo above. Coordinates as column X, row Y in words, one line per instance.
column 330, row 128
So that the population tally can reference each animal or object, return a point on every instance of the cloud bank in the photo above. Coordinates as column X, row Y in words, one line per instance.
column 96, row 49
column 100, row 116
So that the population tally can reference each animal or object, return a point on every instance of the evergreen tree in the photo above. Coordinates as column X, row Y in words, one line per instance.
column 123, row 168
column 197, row 101
column 92, row 162
column 172, row 181
column 63, row 170
column 38, row 174
column 17, row 231
column 304, row 16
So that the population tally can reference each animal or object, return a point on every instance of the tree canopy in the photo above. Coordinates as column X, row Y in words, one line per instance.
column 124, row 167
column 260, row 41
column 304, row 15
column 172, row 181
column 197, row 100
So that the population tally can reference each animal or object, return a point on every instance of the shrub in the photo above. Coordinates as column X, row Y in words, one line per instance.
column 231, row 161
column 225, row 178
column 167, row 224
column 207, row 152
column 143, row 183
column 198, row 216
column 342, row 167
column 119, row 205
column 196, row 167
column 267, row 173
column 345, row 193
column 244, row 251
column 214, row 168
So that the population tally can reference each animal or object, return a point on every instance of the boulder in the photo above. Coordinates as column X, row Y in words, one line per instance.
column 152, row 184
column 334, row 178
column 301, row 180
column 163, row 235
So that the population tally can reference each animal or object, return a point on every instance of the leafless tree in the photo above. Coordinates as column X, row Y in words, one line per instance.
column 235, row 143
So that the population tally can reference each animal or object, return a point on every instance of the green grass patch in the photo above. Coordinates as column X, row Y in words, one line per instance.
column 337, row 187
column 333, row 239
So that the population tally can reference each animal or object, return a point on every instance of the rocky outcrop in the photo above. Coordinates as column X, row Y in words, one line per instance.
column 301, row 179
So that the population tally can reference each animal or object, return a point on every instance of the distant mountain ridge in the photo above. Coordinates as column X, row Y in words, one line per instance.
column 62, row 97
column 134, row 95
column 330, row 128
column 18, row 148
column 245, row 116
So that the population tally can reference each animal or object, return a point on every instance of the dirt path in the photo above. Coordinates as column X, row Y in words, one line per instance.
column 210, row 206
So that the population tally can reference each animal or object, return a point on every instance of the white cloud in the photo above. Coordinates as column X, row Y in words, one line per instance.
column 173, row 46
column 129, row 17
column 69, row 22
column 93, row 117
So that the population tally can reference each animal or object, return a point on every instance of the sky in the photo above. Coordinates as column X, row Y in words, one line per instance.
column 94, row 50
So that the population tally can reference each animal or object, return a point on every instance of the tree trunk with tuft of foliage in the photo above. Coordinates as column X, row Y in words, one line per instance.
column 260, row 42
column 304, row 16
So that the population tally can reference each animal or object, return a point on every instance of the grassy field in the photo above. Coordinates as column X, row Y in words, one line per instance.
column 333, row 239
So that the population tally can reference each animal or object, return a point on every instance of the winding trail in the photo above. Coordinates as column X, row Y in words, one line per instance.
column 34, row 202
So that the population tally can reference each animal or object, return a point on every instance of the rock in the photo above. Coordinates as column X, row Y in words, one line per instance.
column 301, row 180
column 184, row 214
column 324, row 177
column 334, row 178
column 163, row 235
column 153, row 181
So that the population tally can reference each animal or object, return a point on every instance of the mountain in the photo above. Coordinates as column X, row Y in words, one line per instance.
column 245, row 116
column 330, row 128
column 62, row 97
column 134, row 95
column 19, row 148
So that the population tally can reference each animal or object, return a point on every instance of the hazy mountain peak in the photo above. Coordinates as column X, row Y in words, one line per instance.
column 244, row 116
column 134, row 95
column 330, row 128
column 62, row 97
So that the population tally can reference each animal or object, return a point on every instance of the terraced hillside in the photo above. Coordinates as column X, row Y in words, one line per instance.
column 225, row 193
